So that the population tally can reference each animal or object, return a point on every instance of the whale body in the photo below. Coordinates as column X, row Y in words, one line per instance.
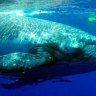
column 48, row 41
column 33, row 45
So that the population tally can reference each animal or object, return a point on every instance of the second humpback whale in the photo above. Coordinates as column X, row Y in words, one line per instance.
column 45, row 43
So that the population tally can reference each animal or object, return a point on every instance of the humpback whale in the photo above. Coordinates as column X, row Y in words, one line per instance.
column 49, row 41
column 44, row 43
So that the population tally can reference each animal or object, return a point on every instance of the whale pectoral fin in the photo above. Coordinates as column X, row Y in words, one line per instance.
column 51, row 49
column 21, row 62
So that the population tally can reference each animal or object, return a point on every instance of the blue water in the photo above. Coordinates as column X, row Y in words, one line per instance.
column 82, row 84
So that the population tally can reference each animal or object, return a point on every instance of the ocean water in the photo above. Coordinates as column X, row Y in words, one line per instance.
column 59, row 80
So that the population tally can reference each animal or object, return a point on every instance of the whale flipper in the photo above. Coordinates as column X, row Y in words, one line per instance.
column 20, row 61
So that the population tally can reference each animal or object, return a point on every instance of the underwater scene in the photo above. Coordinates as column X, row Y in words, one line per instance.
column 47, row 48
